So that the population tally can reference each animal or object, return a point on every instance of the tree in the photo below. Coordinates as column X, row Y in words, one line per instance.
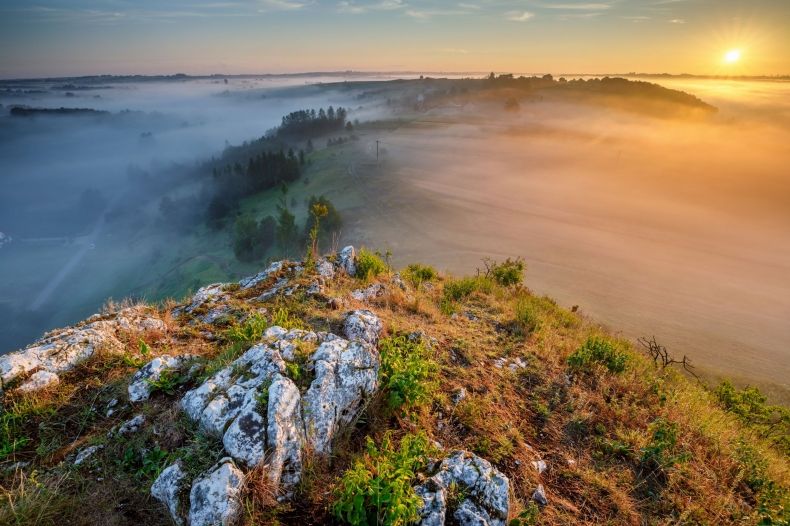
column 245, row 232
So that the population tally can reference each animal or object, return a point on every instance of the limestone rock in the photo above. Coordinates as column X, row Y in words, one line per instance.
column 370, row 293
column 167, row 489
column 346, row 373
column 215, row 497
column 434, row 504
column 539, row 495
column 38, row 381
column 140, row 387
column 132, row 425
column 86, row 453
column 362, row 325
column 251, row 281
column 62, row 349
column 285, row 433
column 487, row 499
column 347, row 260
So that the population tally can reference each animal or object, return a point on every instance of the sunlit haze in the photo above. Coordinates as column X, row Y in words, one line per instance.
column 264, row 36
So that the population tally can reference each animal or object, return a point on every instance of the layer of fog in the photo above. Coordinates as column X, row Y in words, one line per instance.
column 662, row 227
column 62, row 177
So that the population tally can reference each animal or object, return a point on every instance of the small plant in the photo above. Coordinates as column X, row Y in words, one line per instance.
column 407, row 372
column 284, row 318
column 168, row 382
column 317, row 211
column 249, row 331
column 601, row 351
column 507, row 273
column 528, row 315
column 378, row 489
column 658, row 455
column 143, row 347
column 369, row 265
column 417, row 274
column 527, row 517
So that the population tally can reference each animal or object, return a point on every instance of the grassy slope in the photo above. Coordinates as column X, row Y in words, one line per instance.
column 592, row 426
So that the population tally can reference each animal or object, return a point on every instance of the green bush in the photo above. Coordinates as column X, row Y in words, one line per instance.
column 659, row 454
column 458, row 289
column 378, row 488
column 168, row 382
column 599, row 350
column 506, row 273
column 282, row 317
column 407, row 372
column 369, row 265
column 417, row 274
column 750, row 406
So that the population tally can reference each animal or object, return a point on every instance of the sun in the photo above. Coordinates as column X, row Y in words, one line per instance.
column 732, row 56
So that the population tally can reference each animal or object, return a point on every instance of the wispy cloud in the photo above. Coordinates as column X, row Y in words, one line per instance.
column 356, row 8
column 677, row 21
column 280, row 5
column 519, row 16
column 454, row 51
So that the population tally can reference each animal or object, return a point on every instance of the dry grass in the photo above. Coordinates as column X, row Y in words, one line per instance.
column 591, row 427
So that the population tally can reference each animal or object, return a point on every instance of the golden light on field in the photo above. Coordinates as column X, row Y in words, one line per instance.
column 732, row 56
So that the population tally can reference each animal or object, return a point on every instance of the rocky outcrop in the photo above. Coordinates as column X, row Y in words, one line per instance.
column 485, row 489
column 61, row 350
column 362, row 325
column 347, row 260
column 262, row 416
column 140, row 388
column 215, row 497
column 168, row 489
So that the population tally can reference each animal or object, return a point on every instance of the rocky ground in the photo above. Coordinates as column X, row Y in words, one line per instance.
column 320, row 391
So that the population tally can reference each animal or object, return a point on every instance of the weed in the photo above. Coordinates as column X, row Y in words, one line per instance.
column 249, row 331
column 658, row 455
column 369, row 265
column 407, row 372
column 527, row 517
column 749, row 405
column 507, row 273
column 601, row 351
column 14, row 416
column 378, row 489
column 168, row 382
column 143, row 347
column 417, row 274
column 284, row 318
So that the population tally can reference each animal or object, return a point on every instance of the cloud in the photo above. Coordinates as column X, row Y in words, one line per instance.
column 426, row 14
column 454, row 51
column 519, row 16
column 349, row 6
column 281, row 5
column 677, row 21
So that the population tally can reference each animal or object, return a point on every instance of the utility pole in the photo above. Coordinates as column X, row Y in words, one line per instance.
column 377, row 151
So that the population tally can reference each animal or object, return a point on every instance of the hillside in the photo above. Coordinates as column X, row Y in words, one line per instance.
column 339, row 391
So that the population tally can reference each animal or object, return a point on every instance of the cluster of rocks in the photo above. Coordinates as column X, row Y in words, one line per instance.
column 262, row 418
column 39, row 364
column 485, row 492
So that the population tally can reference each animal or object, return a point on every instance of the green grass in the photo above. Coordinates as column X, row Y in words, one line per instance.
column 369, row 265
column 417, row 274
column 407, row 372
column 599, row 350
column 378, row 489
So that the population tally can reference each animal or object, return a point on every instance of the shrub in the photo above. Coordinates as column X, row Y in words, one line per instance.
column 658, row 454
column 369, row 265
column 509, row 272
column 598, row 350
column 168, row 382
column 406, row 372
column 458, row 289
column 417, row 274
column 378, row 489
column 751, row 407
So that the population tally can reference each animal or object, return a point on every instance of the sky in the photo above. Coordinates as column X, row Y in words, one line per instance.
column 84, row 37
